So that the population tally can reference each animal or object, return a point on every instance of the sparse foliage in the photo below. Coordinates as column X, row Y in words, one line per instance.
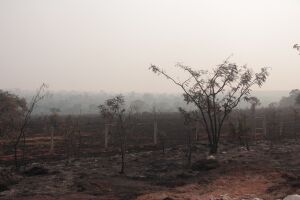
column 12, row 109
column 216, row 93
column 254, row 102
column 113, row 111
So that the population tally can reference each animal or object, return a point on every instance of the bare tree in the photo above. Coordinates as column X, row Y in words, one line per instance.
column 114, row 112
column 40, row 94
column 216, row 93
column 190, row 120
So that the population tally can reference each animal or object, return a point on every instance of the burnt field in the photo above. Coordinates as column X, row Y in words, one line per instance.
column 151, row 174
column 80, row 167
column 149, row 100
column 84, row 136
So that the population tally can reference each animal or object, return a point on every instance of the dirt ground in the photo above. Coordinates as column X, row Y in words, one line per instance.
column 263, row 172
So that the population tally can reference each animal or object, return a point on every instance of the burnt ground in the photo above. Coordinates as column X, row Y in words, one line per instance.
column 263, row 172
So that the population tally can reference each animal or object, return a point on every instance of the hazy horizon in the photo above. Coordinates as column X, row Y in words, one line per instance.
column 109, row 45
column 49, row 89
column 74, row 102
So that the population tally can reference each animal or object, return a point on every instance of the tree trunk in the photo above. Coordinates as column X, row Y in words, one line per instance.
column 197, row 132
column 106, row 131
column 23, row 161
column 247, row 141
column 214, row 148
column 189, row 148
column 52, row 141
column 155, row 132
column 295, row 127
column 122, row 136
column 16, row 157
column 123, row 158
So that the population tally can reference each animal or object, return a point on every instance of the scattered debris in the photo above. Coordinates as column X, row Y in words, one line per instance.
column 151, row 175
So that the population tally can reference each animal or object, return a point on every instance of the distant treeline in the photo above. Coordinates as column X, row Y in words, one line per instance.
column 74, row 102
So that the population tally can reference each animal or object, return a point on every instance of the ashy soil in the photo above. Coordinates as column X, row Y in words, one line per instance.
column 263, row 172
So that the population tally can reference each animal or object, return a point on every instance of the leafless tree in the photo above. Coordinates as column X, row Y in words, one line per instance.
column 216, row 93
column 40, row 94
column 190, row 120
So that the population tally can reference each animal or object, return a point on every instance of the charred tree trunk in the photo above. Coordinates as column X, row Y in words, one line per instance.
column 189, row 147
column 122, row 171
column 52, row 140
column 122, row 136
column 155, row 132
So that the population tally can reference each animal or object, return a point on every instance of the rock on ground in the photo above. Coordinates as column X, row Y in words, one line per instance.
column 292, row 197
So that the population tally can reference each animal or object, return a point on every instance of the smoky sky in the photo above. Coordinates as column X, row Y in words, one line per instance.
column 95, row 45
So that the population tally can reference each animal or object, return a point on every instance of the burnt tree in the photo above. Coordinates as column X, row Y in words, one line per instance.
column 216, row 93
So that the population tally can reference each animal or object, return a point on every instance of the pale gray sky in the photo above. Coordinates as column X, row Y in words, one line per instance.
column 108, row 45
